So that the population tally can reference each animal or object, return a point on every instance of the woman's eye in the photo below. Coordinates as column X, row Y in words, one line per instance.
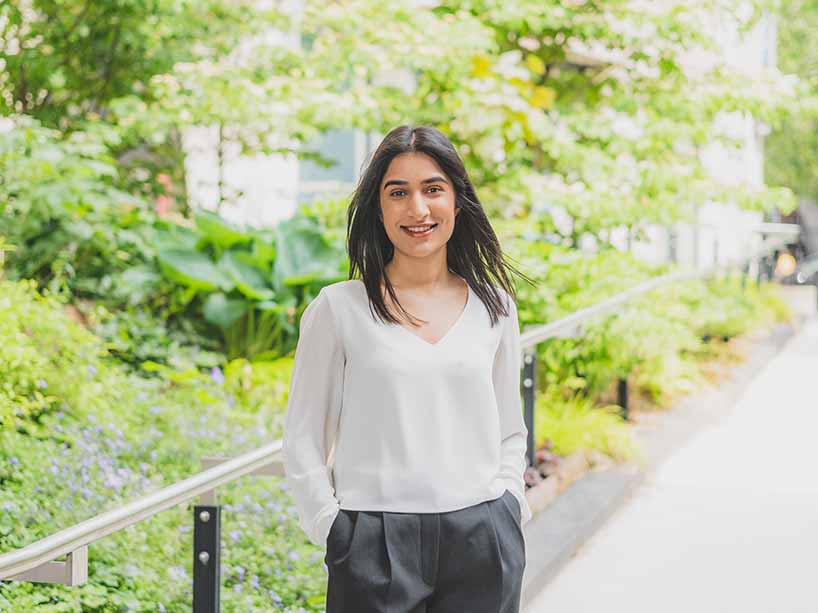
column 399, row 192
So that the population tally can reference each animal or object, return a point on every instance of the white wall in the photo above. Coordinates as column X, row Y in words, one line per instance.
column 268, row 184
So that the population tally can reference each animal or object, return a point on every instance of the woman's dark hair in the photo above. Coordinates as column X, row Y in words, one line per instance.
column 473, row 251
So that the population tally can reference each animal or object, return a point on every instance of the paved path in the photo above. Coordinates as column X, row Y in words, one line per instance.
column 728, row 523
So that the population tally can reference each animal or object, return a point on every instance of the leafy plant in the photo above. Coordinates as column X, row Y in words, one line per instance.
column 59, row 207
column 247, row 284
column 101, row 436
column 576, row 424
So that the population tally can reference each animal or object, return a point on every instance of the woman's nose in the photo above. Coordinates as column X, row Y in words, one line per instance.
column 419, row 205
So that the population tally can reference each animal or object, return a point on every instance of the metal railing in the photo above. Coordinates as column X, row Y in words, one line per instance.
column 571, row 325
column 37, row 562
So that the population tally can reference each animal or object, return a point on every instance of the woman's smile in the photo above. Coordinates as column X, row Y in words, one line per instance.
column 419, row 231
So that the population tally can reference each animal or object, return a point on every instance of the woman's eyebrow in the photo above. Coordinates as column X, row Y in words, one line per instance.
column 434, row 179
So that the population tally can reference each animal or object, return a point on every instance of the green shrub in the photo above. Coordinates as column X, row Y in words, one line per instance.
column 577, row 424
column 44, row 362
column 104, row 436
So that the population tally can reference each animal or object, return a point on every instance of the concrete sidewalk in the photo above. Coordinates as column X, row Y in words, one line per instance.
column 726, row 524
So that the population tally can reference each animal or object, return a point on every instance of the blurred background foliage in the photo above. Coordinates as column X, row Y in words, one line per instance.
column 792, row 148
column 139, row 333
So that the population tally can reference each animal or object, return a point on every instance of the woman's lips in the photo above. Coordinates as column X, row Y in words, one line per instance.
column 419, row 234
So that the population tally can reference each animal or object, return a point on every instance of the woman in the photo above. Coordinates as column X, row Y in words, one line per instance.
column 422, row 504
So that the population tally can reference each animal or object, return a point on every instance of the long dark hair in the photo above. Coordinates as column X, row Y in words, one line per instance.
column 473, row 251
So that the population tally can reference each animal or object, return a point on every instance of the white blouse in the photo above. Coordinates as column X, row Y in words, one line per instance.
column 414, row 427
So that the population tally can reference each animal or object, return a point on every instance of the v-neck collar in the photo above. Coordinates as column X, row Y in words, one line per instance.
column 451, row 329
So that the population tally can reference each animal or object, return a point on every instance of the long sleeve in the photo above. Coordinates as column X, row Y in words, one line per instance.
column 311, row 421
column 513, row 431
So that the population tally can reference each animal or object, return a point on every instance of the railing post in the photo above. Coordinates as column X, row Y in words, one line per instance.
column 773, row 261
column 672, row 254
column 622, row 397
column 529, row 393
column 206, row 558
column 696, row 246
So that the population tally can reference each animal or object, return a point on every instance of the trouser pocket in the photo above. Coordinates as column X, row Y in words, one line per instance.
column 341, row 533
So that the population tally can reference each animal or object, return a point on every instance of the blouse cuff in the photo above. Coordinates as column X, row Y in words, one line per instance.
column 306, row 490
column 513, row 486
column 323, row 524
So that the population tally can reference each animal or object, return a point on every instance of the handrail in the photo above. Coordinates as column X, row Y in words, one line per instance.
column 768, row 227
column 534, row 335
column 93, row 529
column 80, row 535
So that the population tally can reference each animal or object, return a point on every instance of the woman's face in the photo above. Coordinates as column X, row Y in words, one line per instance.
column 416, row 192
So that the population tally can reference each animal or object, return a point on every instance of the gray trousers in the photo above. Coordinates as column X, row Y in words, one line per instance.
column 466, row 561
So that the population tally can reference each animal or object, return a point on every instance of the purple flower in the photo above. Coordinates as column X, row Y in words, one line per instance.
column 41, row 382
column 254, row 581
column 293, row 555
column 14, row 461
column 178, row 573
column 235, row 536
column 92, row 370
column 113, row 482
column 162, row 608
column 217, row 375
column 240, row 570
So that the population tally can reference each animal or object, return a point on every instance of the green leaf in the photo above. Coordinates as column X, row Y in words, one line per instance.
column 193, row 269
column 218, row 231
column 304, row 255
column 271, row 306
column 223, row 311
column 140, row 275
column 174, row 236
column 249, row 280
column 264, row 250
